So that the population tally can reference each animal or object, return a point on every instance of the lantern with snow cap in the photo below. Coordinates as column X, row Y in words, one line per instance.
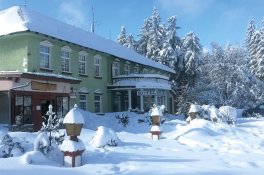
column 193, row 112
column 74, row 147
column 156, row 113
column 155, row 130
column 73, row 122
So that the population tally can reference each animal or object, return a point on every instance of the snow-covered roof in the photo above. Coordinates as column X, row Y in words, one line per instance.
column 39, row 75
column 20, row 19
column 74, row 116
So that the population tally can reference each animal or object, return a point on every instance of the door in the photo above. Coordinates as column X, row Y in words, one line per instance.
column 44, row 106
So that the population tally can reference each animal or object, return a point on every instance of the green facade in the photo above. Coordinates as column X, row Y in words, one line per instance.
column 21, row 52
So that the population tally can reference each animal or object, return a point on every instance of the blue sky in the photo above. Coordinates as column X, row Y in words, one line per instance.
column 219, row 21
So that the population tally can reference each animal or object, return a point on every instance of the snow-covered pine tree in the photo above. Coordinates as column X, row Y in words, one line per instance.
column 141, row 44
column 193, row 51
column 169, row 51
column 253, row 52
column 130, row 42
column 224, row 79
column 156, row 37
column 260, row 54
column 251, row 28
column 52, row 125
column 122, row 38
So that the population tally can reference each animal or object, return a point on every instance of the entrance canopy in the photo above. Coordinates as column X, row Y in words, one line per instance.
column 13, row 80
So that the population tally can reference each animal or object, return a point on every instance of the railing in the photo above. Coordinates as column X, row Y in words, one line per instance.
column 142, row 77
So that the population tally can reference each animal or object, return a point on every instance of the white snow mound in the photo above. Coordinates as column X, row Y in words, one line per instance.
column 104, row 137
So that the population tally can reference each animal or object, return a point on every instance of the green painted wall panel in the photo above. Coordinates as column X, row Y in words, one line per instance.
column 13, row 53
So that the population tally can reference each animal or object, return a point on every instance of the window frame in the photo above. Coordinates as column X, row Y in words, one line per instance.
column 127, row 69
column 82, row 60
column 136, row 70
column 66, row 59
column 83, row 102
column 97, row 66
column 24, row 109
column 98, row 102
column 46, row 55
column 115, row 69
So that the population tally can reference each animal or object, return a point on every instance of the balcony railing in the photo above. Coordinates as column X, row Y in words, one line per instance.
column 142, row 80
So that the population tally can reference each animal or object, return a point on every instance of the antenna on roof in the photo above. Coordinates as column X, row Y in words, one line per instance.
column 92, row 25
column 93, row 22
column 25, row 3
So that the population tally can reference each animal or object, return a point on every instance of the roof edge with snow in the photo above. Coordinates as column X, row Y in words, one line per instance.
column 18, row 19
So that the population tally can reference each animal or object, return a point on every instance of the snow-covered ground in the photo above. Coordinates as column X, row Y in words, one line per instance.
column 201, row 147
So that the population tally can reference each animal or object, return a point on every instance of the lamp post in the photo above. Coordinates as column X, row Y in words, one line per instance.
column 73, row 148
column 193, row 111
column 155, row 130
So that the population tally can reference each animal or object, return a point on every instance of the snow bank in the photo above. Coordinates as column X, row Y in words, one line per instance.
column 93, row 121
column 200, row 133
column 104, row 136
column 35, row 157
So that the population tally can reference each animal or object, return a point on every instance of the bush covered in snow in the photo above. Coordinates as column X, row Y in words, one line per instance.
column 10, row 146
column 104, row 137
column 122, row 119
column 226, row 114
column 229, row 114
column 42, row 143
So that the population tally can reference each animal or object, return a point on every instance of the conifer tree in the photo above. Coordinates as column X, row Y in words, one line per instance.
column 193, row 51
column 156, row 37
column 122, row 38
column 141, row 44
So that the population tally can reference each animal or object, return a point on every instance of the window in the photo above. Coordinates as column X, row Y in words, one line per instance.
column 160, row 100
column 82, row 63
column 125, row 102
column 115, row 69
column 62, row 106
column 127, row 69
column 23, row 110
column 83, row 101
column 136, row 70
column 97, row 65
column 65, row 59
column 45, row 54
column 97, row 103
